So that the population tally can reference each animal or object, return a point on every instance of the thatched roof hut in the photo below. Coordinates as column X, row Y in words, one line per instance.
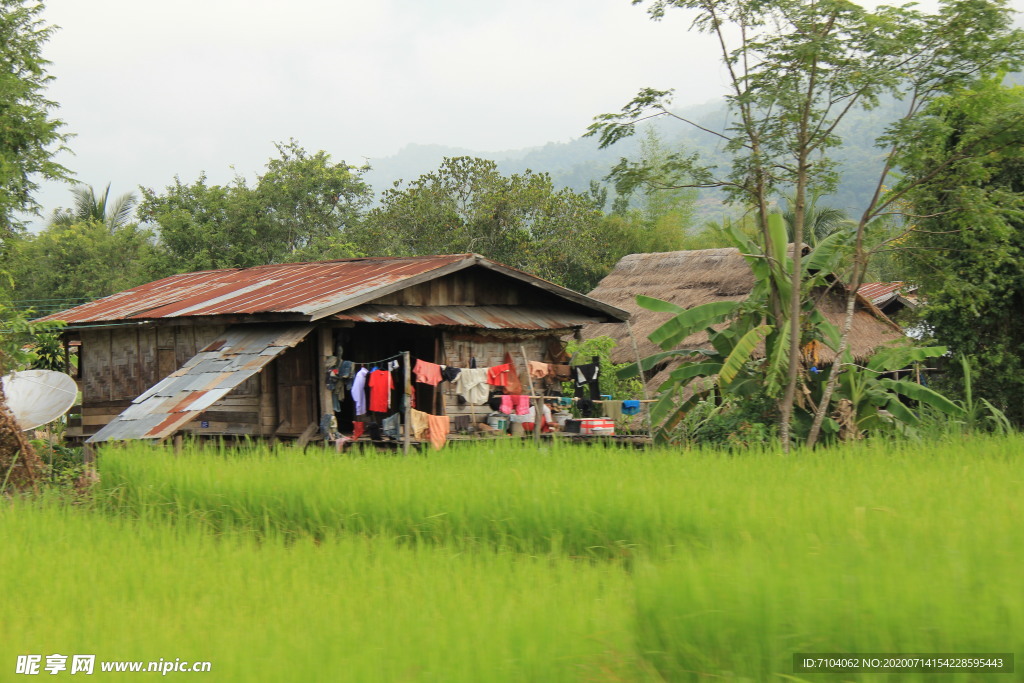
column 691, row 278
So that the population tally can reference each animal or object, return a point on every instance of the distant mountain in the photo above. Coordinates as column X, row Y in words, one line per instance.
column 576, row 163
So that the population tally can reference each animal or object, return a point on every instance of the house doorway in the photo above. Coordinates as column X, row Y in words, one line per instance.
column 367, row 343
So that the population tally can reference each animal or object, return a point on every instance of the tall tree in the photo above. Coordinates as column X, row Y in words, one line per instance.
column 29, row 138
column 796, row 68
column 967, row 243
column 520, row 220
column 30, row 135
column 302, row 208
column 307, row 203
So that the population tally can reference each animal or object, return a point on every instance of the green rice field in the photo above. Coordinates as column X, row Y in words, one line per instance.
column 502, row 562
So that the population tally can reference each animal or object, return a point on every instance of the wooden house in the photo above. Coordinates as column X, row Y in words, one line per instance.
column 692, row 278
column 246, row 351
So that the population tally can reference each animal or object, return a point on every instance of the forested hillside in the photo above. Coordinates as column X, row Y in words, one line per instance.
column 576, row 163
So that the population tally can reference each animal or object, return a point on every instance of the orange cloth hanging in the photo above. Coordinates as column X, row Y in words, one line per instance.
column 513, row 385
column 427, row 373
column 539, row 370
column 438, row 432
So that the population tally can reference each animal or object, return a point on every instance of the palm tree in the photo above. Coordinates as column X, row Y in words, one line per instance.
column 819, row 222
column 114, row 214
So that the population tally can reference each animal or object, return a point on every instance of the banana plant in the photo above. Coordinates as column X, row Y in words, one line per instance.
column 881, row 402
column 736, row 329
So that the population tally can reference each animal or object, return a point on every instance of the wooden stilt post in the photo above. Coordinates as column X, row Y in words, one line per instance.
column 538, row 404
column 89, row 456
column 407, row 398
column 325, row 349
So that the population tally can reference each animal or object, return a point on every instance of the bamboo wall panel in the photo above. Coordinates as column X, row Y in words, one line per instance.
column 118, row 364
column 459, row 352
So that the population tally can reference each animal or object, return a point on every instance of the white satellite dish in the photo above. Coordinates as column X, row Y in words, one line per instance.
column 36, row 397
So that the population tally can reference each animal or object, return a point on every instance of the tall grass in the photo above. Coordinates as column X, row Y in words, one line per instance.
column 348, row 609
column 580, row 501
column 584, row 502
column 463, row 564
column 889, row 552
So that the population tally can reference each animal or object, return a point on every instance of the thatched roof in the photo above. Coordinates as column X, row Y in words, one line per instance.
column 691, row 278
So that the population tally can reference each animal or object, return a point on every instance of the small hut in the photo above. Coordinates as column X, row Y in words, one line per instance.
column 257, row 351
column 890, row 297
column 692, row 278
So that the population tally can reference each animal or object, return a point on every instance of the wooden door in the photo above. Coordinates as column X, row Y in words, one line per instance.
column 296, row 372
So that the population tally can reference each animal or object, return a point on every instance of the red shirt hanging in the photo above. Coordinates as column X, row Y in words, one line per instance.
column 380, row 384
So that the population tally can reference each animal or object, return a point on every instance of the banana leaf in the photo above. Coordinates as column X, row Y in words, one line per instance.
column 901, row 412
column 899, row 357
column 681, row 326
column 681, row 376
column 741, row 353
column 922, row 394
column 778, row 361
column 632, row 370
column 659, row 305
column 825, row 257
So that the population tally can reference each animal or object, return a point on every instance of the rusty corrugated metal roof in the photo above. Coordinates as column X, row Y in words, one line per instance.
column 880, row 293
column 878, row 290
column 300, row 288
column 241, row 352
column 488, row 317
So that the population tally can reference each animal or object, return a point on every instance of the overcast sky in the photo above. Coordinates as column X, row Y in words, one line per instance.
column 156, row 89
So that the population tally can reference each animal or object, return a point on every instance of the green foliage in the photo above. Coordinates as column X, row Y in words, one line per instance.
column 19, row 336
column 64, row 465
column 310, row 204
column 795, row 70
column 980, row 415
column 83, row 260
column 610, row 381
column 520, row 220
column 304, row 207
column 729, row 422
column 48, row 352
column 88, row 207
column 819, row 221
column 965, row 250
column 870, row 400
column 736, row 386
column 662, row 217
column 29, row 135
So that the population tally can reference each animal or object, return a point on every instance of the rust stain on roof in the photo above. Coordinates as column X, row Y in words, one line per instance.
column 206, row 378
column 879, row 292
column 189, row 398
column 301, row 288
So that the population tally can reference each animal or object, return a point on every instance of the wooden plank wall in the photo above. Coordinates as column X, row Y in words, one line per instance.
column 464, row 289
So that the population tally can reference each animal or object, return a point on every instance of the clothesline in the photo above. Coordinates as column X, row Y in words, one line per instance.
column 441, row 365
column 576, row 398
column 376, row 362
